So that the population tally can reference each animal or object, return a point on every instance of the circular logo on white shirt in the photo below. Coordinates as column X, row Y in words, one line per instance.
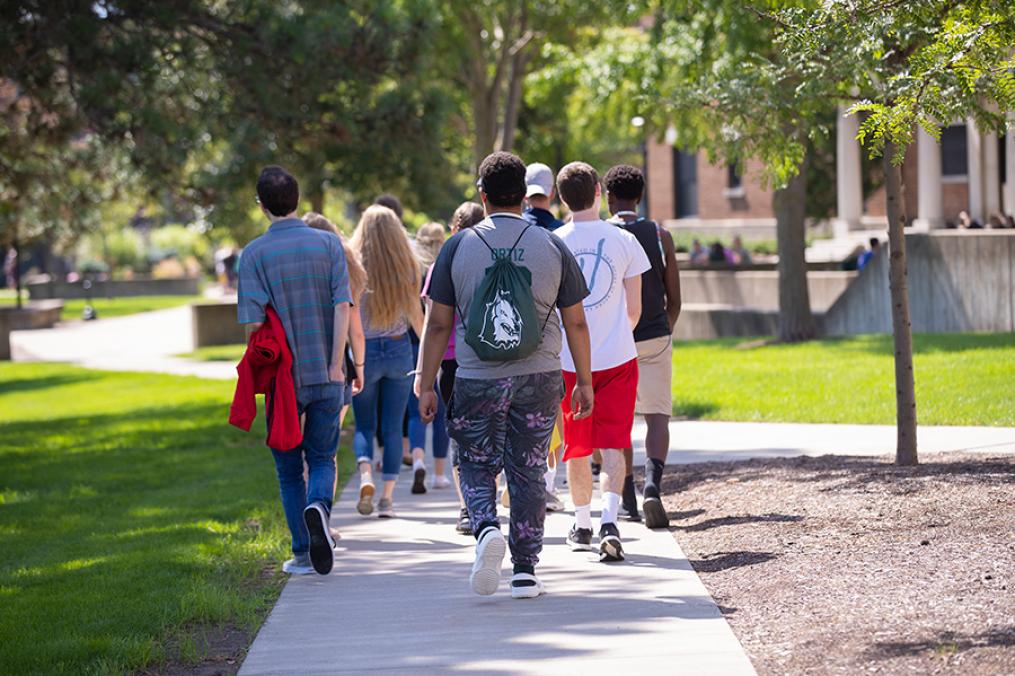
column 600, row 275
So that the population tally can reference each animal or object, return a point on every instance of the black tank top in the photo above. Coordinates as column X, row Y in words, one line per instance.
column 654, row 321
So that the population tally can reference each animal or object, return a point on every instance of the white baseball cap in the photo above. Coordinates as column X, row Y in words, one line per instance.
column 538, row 180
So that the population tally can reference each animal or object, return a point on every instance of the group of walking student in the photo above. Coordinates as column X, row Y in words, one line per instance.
column 526, row 341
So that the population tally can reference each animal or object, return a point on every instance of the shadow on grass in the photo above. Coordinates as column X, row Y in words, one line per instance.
column 945, row 643
column 726, row 560
column 19, row 385
column 129, row 527
column 693, row 410
column 926, row 343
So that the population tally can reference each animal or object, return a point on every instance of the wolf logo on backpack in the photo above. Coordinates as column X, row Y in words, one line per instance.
column 502, row 325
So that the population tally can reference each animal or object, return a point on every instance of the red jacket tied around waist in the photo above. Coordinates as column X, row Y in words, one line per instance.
column 267, row 368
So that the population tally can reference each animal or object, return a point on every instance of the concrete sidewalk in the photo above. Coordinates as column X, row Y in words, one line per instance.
column 398, row 601
column 699, row 441
column 142, row 342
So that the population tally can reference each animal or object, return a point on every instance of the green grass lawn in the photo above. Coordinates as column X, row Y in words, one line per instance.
column 132, row 518
column 961, row 379
column 119, row 307
column 112, row 307
column 230, row 353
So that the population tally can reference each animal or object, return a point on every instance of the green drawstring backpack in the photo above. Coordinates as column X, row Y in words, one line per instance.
column 502, row 323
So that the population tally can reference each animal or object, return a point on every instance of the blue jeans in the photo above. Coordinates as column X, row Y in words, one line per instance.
column 385, row 378
column 322, row 405
column 417, row 430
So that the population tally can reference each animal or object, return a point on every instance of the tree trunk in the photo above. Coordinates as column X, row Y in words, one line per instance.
column 16, row 245
column 902, row 327
column 484, row 116
column 317, row 199
column 519, row 65
column 796, row 323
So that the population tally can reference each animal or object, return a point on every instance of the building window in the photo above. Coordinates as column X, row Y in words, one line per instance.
column 685, row 183
column 954, row 161
column 734, row 183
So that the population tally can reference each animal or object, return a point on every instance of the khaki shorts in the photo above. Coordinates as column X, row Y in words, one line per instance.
column 655, row 376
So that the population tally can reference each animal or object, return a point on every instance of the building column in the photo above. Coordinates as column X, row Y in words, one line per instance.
column 991, row 177
column 929, row 205
column 1009, row 161
column 974, row 171
column 848, row 179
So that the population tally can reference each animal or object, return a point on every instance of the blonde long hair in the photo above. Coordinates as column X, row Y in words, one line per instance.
column 383, row 246
column 357, row 274
column 429, row 241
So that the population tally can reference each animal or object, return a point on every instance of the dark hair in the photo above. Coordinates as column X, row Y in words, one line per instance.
column 502, row 179
column 390, row 201
column 576, row 185
column 875, row 243
column 277, row 191
column 467, row 215
column 625, row 182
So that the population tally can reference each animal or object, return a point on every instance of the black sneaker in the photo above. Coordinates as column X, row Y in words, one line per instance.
column 580, row 539
column 322, row 547
column 610, row 548
column 629, row 501
column 655, row 513
column 596, row 469
column 419, row 481
column 464, row 525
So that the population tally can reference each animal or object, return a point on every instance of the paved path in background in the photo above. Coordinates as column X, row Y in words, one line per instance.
column 398, row 601
column 148, row 341
column 699, row 441
column 140, row 342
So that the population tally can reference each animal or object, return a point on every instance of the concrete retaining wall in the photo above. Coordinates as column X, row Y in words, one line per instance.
column 215, row 324
column 958, row 281
column 756, row 289
column 117, row 288
column 704, row 322
column 38, row 314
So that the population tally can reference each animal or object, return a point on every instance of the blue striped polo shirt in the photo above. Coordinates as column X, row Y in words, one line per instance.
column 301, row 272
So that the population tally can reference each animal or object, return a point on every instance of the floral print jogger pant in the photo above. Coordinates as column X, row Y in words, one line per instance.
column 506, row 424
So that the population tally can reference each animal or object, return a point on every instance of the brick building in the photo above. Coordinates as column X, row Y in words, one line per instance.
column 966, row 171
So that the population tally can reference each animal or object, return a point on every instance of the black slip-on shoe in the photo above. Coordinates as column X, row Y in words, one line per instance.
column 655, row 513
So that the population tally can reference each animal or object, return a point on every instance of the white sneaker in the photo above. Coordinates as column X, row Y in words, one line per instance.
column 441, row 481
column 553, row 503
column 490, row 550
column 299, row 565
column 531, row 590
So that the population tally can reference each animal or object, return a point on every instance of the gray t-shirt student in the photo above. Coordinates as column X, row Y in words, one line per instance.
column 557, row 281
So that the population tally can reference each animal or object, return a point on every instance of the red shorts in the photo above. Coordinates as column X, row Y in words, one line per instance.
column 609, row 426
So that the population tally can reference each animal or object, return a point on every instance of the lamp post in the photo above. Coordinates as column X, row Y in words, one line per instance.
column 638, row 122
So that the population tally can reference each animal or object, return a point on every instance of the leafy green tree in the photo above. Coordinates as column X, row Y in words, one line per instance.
column 726, row 89
column 490, row 46
column 903, row 64
column 85, row 88
column 337, row 93
column 580, row 102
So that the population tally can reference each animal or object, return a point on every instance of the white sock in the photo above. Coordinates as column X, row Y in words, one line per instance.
column 418, row 464
column 551, row 478
column 611, row 501
column 583, row 516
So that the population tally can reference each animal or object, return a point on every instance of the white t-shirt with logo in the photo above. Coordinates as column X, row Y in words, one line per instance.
column 607, row 255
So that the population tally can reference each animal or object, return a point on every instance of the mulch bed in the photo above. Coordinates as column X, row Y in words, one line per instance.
column 843, row 565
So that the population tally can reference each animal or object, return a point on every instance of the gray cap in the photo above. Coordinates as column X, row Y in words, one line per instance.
column 538, row 180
